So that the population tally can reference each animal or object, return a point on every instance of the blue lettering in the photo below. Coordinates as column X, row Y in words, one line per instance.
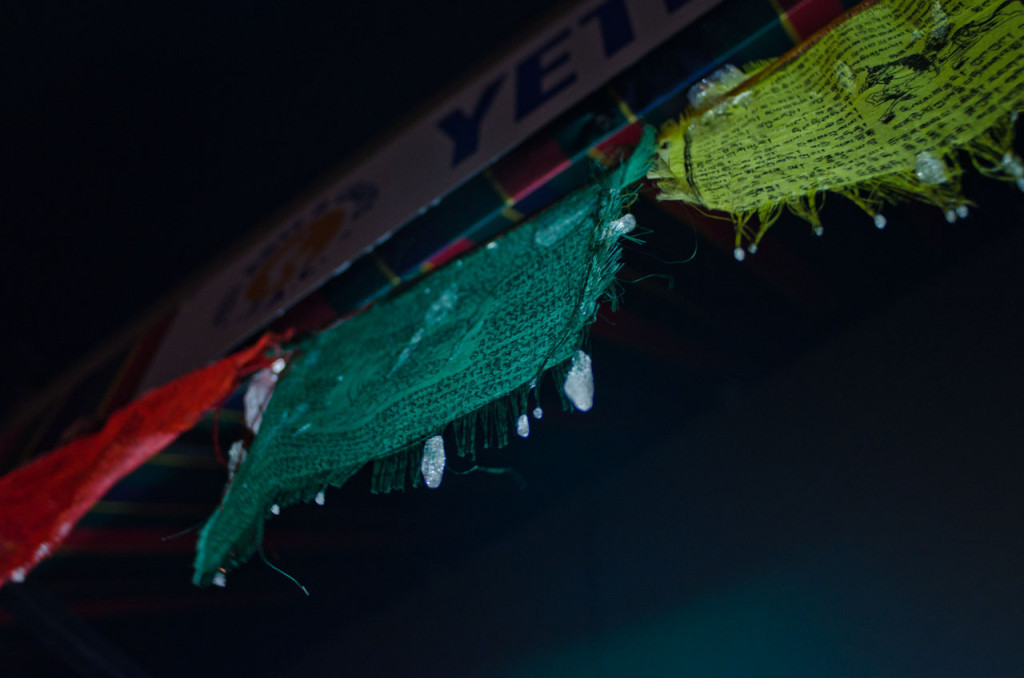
column 530, row 90
column 463, row 130
column 613, row 20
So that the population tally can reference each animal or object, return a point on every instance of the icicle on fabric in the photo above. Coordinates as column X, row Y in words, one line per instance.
column 461, row 348
column 42, row 501
column 884, row 106
column 432, row 466
column 579, row 382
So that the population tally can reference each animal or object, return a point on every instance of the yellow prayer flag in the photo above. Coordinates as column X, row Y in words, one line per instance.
column 883, row 106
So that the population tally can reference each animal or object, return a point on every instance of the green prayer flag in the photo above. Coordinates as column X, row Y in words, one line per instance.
column 462, row 348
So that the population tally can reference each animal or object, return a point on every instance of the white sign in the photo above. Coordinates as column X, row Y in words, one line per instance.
column 322, row 237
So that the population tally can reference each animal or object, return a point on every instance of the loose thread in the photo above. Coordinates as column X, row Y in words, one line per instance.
column 269, row 564
column 666, row 276
column 495, row 470
column 216, row 437
column 183, row 532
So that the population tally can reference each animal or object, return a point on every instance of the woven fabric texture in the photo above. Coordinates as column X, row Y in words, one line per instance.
column 458, row 354
column 886, row 106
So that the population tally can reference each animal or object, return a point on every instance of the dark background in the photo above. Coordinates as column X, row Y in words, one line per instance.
column 139, row 142
column 805, row 464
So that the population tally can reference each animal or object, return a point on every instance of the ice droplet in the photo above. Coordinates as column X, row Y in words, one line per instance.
column 18, row 575
column 432, row 466
column 940, row 20
column 236, row 455
column 261, row 388
column 1012, row 164
column 277, row 367
column 444, row 305
column 219, row 579
column 929, row 169
column 550, row 233
column 275, row 509
column 951, row 216
column 752, row 248
column 844, row 77
column 621, row 226
column 880, row 221
column 579, row 382
column 320, row 498
column 523, row 426
column 739, row 254
column 538, row 413
column 492, row 245
column 716, row 84
column 962, row 211
column 407, row 351
column 819, row 231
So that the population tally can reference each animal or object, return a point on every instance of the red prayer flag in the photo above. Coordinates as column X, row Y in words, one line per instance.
column 41, row 501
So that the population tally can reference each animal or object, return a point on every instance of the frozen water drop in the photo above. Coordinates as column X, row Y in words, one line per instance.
column 236, row 455
column 951, row 216
column 579, row 382
column 552, row 231
column 620, row 226
column 880, row 221
column 219, row 579
column 819, row 231
column 432, row 465
column 940, row 20
column 1012, row 164
column 1020, row 183
column 320, row 498
column 275, row 509
column 962, row 211
column 538, row 413
column 417, row 337
column 929, row 169
column 523, row 426
column 443, row 306
column 752, row 248
column 277, row 367
column 256, row 397
column 717, row 83
column 18, row 575
column 492, row 245
column 844, row 77
column 739, row 254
